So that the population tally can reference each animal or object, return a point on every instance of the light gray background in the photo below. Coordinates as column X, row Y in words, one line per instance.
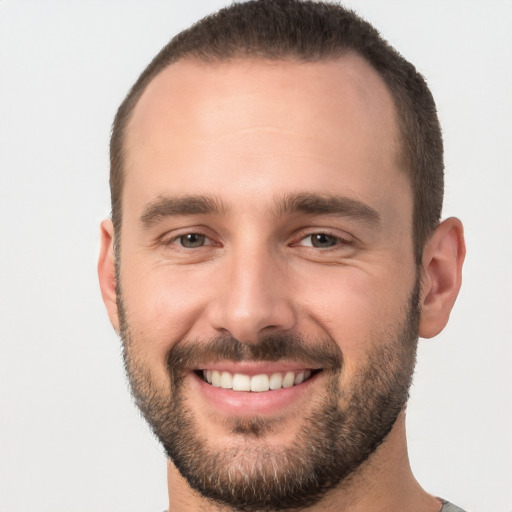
column 70, row 438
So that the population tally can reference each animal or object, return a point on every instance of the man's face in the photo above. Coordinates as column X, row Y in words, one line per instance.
column 267, row 242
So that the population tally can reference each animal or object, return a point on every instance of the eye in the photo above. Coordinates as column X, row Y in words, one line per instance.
column 187, row 242
column 191, row 240
column 320, row 241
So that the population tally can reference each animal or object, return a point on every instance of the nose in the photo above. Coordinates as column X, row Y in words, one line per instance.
column 254, row 297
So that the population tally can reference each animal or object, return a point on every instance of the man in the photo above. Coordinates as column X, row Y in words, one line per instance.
column 274, row 252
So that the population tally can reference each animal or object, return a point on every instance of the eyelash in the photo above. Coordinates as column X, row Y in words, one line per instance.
column 338, row 240
column 176, row 240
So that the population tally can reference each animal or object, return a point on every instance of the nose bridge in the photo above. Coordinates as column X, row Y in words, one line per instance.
column 253, row 300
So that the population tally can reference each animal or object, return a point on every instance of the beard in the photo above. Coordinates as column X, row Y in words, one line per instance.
column 342, row 429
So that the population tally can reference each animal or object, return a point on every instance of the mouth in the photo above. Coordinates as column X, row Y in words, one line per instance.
column 258, row 383
column 250, row 389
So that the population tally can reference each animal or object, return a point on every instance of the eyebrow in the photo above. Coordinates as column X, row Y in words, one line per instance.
column 309, row 203
column 165, row 206
column 326, row 204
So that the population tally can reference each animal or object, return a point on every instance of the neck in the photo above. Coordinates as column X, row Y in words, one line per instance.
column 384, row 482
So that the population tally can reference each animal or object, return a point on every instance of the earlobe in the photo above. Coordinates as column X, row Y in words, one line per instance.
column 107, row 272
column 443, row 257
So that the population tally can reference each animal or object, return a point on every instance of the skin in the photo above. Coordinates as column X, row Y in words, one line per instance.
column 248, row 133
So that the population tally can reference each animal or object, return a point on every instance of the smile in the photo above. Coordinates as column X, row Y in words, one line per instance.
column 256, row 383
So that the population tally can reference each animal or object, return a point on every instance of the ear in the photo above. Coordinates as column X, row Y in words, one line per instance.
column 443, row 257
column 107, row 272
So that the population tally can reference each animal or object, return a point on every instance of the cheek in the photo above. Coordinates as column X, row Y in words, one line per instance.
column 160, row 306
column 358, row 309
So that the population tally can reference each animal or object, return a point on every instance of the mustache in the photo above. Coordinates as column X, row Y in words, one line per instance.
column 187, row 354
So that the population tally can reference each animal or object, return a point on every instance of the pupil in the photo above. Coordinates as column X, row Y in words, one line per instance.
column 323, row 240
column 192, row 240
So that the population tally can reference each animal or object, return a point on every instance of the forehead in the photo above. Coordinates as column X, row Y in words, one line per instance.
column 277, row 125
column 189, row 92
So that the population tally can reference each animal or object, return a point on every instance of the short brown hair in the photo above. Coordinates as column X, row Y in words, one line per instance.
column 308, row 31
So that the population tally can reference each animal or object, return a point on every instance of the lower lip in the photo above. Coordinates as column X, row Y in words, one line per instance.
column 249, row 403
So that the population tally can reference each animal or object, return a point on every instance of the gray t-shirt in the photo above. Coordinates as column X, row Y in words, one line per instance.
column 448, row 507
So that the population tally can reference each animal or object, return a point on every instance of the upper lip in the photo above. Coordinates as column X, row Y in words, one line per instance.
column 256, row 368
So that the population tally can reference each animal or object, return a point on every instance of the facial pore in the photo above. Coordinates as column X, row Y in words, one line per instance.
column 335, row 438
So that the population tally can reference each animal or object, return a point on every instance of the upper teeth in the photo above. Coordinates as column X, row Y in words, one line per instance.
column 263, row 382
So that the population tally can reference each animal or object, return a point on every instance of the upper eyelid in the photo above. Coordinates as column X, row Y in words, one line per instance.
column 341, row 243
column 300, row 234
column 326, row 233
column 176, row 233
column 175, row 238
column 307, row 232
